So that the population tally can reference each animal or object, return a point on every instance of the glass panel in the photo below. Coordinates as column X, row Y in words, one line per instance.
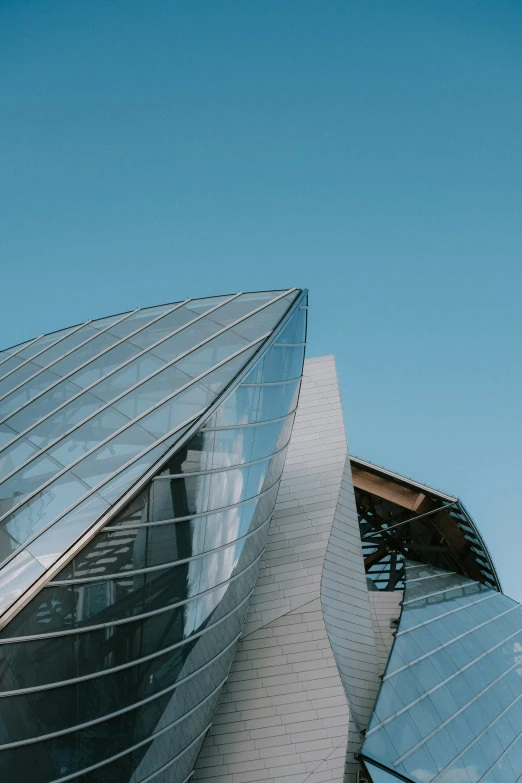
column 199, row 306
column 58, row 709
column 43, row 342
column 6, row 434
column 186, row 339
column 256, row 403
column 241, row 306
column 88, row 435
column 379, row 775
column 139, row 319
column 103, row 323
column 177, row 411
column 110, row 458
column 16, row 577
column 51, row 545
column 124, row 596
column 43, row 405
column 9, row 364
column 106, row 363
column 48, row 658
column 17, row 377
column 211, row 449
column 151, row 392
column 26, row 481
column 128, row 376
column 217, row 349
column 159, row 329
column 44, row 507
column 295, row 330
column 116, row 550
column 262, row 322
column 14, row 455
column 65, row 419
column 196, row 494
column 278, row 364
column 114, row 489
column 71, row 341
column 75, row 751
column 84, row 353
column 457, row 693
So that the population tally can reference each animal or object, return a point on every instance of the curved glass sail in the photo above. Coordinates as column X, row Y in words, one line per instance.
column 113, row 670
column 87, row 411
column 450, row 705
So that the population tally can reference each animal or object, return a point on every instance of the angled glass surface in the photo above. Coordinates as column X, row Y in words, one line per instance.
column 450, row 705
column 177, row 361
column 379, row 775
column 132, row 640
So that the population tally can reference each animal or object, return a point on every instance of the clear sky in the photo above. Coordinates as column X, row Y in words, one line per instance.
column 370, row 150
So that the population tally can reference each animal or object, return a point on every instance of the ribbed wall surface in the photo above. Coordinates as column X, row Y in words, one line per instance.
column 112, row 673
column 385, row 609
column 283, row 714
column 346, row 607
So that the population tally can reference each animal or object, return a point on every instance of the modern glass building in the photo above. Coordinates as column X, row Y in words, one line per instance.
column 198, row 582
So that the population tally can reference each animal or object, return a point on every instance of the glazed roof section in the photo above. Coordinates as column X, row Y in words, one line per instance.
column 450, row 704
column 85, row 412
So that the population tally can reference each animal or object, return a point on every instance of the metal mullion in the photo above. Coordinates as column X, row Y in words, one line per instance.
column 159, row 733
column 444, row 614
column 451, row 677
column 138, row 384
column 109, row 716
column 451, row 641
column 248, row 425
column 441, row 592
column 213, row 471
column 151, row 569
column 414, row 519
column 502, row 755
column 74, row 775
column 459, row 712
column 21, row 348
column 118, row 432
column 432, row 576
column 175, row 520
column 67, row 353
column 273, row 383
column 135, row 662
column 125, row 620
column 131, row 388
column 104, row 407
column 73, row 331
column 85, row 364
column 85, row 537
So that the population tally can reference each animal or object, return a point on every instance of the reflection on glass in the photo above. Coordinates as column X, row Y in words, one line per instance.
column 451, row 700
column 149, row 610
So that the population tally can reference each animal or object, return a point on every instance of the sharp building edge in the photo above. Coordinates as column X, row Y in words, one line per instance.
column 198, row 582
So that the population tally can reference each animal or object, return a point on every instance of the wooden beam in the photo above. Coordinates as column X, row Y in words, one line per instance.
column 387, row 489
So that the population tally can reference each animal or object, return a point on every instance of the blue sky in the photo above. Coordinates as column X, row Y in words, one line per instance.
column 370, row 151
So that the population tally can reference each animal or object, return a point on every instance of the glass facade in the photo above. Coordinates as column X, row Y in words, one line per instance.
column 86, row 412
column 450, row 705
column 112, row 671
